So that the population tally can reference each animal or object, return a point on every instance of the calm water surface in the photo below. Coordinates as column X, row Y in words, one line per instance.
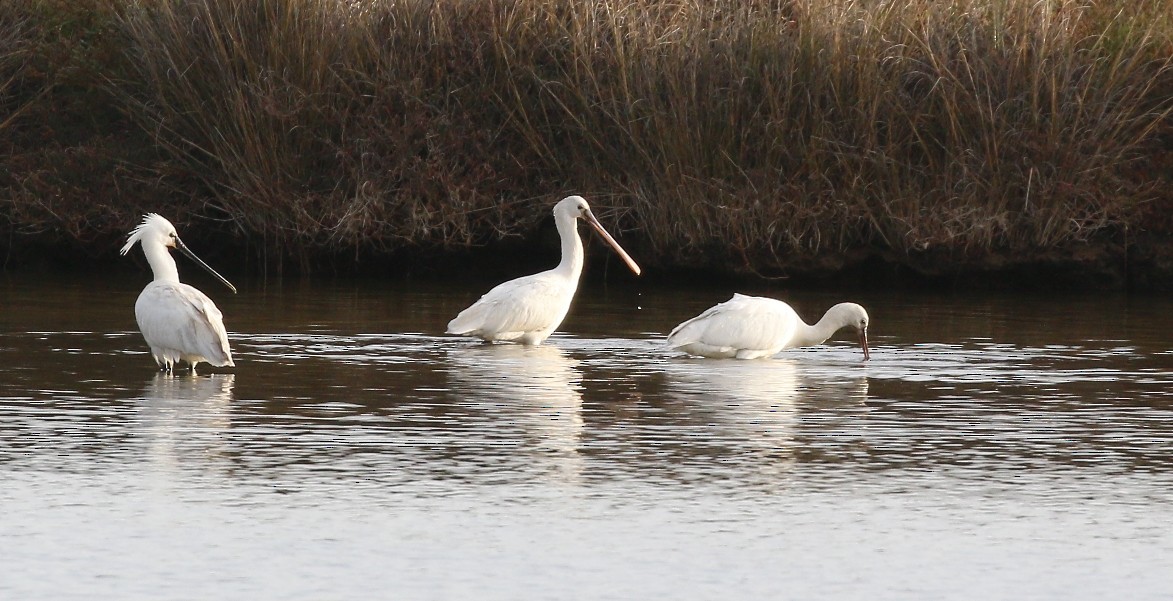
column 994, row 447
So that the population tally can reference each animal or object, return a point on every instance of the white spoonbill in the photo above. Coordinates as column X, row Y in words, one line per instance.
column 530, row 308
column 752, row 327
column 178, row 322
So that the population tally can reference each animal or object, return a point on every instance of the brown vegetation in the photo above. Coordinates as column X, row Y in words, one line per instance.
column 741, row 135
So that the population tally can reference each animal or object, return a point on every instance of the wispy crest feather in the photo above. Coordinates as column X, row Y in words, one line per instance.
column 150, row 221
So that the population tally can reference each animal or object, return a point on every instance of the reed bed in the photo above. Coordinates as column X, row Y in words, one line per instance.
column 743, row 135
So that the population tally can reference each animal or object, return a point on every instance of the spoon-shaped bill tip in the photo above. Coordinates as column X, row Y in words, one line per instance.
column 590, row 218
column 185, row 250
column 863, row 341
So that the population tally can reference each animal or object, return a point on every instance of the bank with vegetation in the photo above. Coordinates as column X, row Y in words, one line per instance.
column 802, row 137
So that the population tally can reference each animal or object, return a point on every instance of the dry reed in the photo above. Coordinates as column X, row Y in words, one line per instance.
column 739, row 134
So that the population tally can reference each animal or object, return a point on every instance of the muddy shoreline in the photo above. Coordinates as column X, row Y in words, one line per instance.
column 1143, row 265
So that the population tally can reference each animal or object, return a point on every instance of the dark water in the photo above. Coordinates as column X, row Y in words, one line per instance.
column 994, row 447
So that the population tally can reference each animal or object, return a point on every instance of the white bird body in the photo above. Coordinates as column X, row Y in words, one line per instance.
column 525, row 310
column 528, row 309
column 179, row 322
column 753, row 327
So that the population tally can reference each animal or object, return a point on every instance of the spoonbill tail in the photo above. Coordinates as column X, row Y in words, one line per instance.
column 530, row 308
column 179, row 322
column 752, row 327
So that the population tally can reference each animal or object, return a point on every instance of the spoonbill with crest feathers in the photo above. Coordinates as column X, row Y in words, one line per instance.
column 179, row 322
column 530, row 308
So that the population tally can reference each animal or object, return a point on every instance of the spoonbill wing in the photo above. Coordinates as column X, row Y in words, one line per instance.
column 743, row 323
column 178, row 316
column 536, row 302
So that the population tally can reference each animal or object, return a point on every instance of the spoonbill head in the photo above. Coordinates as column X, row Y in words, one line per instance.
column 529, row 309
column 752, row 327
column 179, row 322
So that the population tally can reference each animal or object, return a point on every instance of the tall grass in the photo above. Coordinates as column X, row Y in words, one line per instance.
column 73, row 172
column 748, row 134
column 791, row 129
column 326, row 124
column 13, row 55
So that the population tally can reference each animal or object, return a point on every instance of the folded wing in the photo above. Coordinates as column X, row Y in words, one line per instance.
column 182, row 322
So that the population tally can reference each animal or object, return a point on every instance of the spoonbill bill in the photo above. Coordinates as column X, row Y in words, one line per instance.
column 528, row 309
column 179, row 322
column 752, row 327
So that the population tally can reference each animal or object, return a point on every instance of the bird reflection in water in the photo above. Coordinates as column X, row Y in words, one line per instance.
column 752, row 410
column 748, row 402
column 532, row 394
column 184, row 418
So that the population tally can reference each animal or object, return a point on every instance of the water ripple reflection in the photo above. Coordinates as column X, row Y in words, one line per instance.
column 1012, row 459
column 184, row 420
column 531, row 396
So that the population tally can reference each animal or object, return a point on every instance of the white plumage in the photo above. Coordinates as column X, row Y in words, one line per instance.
column 179, row 322
column 752, row 327
column 530, row 308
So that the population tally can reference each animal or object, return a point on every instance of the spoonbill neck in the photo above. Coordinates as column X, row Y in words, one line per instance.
column 162, row 264
column 808, row 335
column 572, row 251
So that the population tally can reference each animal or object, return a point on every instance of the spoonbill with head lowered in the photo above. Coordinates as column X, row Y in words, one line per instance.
column 752, row 327
column 530, row 308
column 179, row 322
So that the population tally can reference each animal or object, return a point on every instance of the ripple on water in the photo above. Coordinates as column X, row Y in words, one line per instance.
column 607, row 407
column 1011, row 464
